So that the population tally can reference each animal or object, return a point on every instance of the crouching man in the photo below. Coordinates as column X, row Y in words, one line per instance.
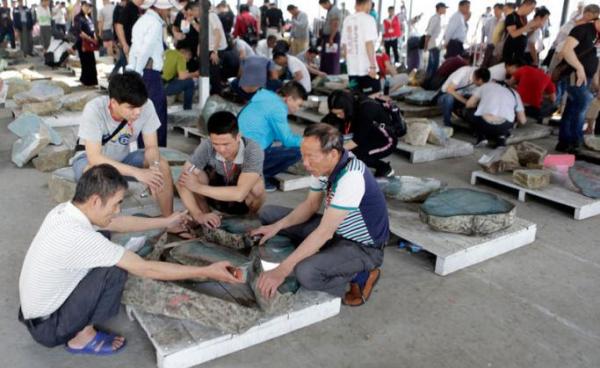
column 73, row 277
column 343, row 245
column 224, row 172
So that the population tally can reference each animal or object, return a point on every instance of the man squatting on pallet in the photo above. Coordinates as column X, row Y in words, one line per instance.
column 343, row 245
column 73, row 276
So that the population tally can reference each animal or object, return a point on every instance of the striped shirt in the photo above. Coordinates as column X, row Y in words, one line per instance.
column 351, row 187
column 63, row 251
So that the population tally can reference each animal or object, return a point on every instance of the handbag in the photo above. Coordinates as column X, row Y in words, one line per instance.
column 89, row 46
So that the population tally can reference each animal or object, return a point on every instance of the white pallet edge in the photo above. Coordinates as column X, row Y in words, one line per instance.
column 289, row 182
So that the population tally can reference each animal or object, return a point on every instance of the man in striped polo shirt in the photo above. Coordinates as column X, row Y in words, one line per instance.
column 73, row 277
column 343, row 245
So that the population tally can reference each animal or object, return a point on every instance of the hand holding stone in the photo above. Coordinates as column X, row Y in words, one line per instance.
column 269, row 281
column 220, row 272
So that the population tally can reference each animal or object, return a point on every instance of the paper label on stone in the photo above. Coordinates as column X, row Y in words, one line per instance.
column 136, row 243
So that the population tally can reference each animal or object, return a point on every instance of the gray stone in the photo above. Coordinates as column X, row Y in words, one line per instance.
column 531, row 155
column 502, row 159
column 53, row 157
column 217, row 103
column 592, row 142
column 467, row 211
column 298, row 169
column 61, row 185
column 532, row 179
column 421, row 98
column 409, row 188
column 24, row 149
column 184, row 118
column 175, row 157
column 27, row 124
column 586, row 177
column 41, row 91
column 417, row 134
column 42, row 108
column 77, row 101
column 439, row 136
column 16, row 86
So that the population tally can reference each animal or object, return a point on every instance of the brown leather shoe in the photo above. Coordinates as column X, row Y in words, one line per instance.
column 356, row 297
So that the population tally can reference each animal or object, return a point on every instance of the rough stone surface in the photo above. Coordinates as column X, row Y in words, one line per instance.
column 183, row 118
column 500, row 160
column 16, row 86
column 24, row 149
column 217, row 103
column 77, row 101
column 53, row 157
column 532, row 179
column 467, row 211
column 439, row 136
column 42, row 108
column 27, row 124
column 530, row 155
column 592, row 142
column 298, row 169
column 417, row 134
column 40, row 91
column 61, row 185
column 586, row 177
column 421, row 98
column 409, row 188
column 175, row 157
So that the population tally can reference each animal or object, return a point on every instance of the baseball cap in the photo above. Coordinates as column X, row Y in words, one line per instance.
column 254, row 71
column 440, row 5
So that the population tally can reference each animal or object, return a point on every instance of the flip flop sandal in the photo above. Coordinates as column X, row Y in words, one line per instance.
column 106, row 339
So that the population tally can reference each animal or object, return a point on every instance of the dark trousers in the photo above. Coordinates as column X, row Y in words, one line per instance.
column 336, row 263
column 485, row 130
column 156, row 93
column 542, row 112
column 216, row 86
column 365, row 84
column 96, row 299
column 379, row 146
column 10, row 33
column 89, row 74
column 278, row 159
column 393, row 46
column 488, row 57
column 433, row 63
column 454, row 48
column 187, row 86
column 330, row 61
column 61, row 28
column 121, row 62
column 571, row 124
column 448, row 104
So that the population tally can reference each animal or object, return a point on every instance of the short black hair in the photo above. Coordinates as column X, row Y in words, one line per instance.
column 464, row 2
column 191, row 5
column 391, row 8
column 279, row 54
column 328, row 135
column 324, row 1
column 342, row 100
column 541, row 12
column 529, row 2
column 128, row 88
column 483, row 74
column 271, row 38
column 183, row 45
column 511, row 5
column 101, row 180
column 244, row 8
column 360, row 2
column 291, row 7
column 498, row 6
column 223, row 122
column 313, row 50
column 293, row 89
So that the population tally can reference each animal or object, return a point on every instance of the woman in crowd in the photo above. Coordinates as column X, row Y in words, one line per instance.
column 86, row 44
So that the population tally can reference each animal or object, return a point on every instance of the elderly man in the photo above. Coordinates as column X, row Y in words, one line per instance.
column 343, row 245
column 146, row 56
column 73, row 277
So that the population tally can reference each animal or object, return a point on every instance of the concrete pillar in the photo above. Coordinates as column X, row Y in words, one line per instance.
column 203, row 56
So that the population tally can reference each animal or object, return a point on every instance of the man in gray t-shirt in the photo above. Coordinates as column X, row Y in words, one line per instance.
column 224, row 172
column 109, row 133
column 105, row 23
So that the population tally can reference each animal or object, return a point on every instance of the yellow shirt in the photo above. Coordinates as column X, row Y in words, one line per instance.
column 174, row 63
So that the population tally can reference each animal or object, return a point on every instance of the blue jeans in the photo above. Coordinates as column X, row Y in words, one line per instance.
column 433, row 63
column 121, row 62
column 135, row 159
column 278, row 159
column 176, row 86
column 447, row 102
column 156, row 93
column 571, row 124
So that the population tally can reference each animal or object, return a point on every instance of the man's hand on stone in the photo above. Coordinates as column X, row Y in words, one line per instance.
column 190, row 181
column 220, row 271
column 269, row 281
column 210, row 220
column 178, row 219
column 265, row 232
column 152, row 178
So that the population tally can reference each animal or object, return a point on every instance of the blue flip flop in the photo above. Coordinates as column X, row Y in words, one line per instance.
column 91, row 347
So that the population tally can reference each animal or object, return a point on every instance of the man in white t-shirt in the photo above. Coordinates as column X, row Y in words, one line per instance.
column 243, row 48
column 433, row 38
column 265, row 47
column 296, row 67
column 497, row 108
column 217, row 44
column 359, row 35
column 73, row 276
column 109, row 135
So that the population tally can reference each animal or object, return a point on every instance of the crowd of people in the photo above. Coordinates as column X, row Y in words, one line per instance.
column 267, row 62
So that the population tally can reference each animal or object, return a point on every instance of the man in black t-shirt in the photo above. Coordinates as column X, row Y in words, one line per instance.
column 580, row 52
column 274, row 18
column 226, row 16
column 6, row 25
column 516, row 30
column 263, row 18
column 128, row 15
column 187, row 24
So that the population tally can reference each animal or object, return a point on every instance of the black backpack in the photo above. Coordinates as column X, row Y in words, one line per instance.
column 251, row 36
column 396, row 126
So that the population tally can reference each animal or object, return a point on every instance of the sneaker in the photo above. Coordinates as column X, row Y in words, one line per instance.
column 270, row 187
column 561, row 147
column 573, row 149
column 481, row 143
column 359, row 294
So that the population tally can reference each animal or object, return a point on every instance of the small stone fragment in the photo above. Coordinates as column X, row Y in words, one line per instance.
column 409, row 188
column 42, row 108
column 417, row 134
column 439, row 136
column 530, row 155
column 28, row 123
column 62, row 185
column 532, row 179
column 24, row 149
column 77, row 101
column 53, row 157
column 15, row 86
column 502, row 159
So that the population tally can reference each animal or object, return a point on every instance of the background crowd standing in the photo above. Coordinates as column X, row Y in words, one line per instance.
column 259, row 47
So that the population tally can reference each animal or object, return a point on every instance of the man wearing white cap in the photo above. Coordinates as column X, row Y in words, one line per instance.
column 146, row 56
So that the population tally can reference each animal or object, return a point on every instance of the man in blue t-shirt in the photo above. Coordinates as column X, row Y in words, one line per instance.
column 265, row 120
column 343, row 245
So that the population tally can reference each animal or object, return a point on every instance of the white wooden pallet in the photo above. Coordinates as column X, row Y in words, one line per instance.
column 289, row 182
column 193, row 132
column 182, row 344
column 583, row 206
column 308, row 115
column 455, row 251
column 430, row 152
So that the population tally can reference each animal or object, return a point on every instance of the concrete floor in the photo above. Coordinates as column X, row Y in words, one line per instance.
column 538, row 306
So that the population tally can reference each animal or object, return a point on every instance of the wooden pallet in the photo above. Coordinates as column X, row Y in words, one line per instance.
column 430, row 152
column 192, row 132
column 289, row 182
column 583, row 206
column 182, row 344
column 454, row 252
